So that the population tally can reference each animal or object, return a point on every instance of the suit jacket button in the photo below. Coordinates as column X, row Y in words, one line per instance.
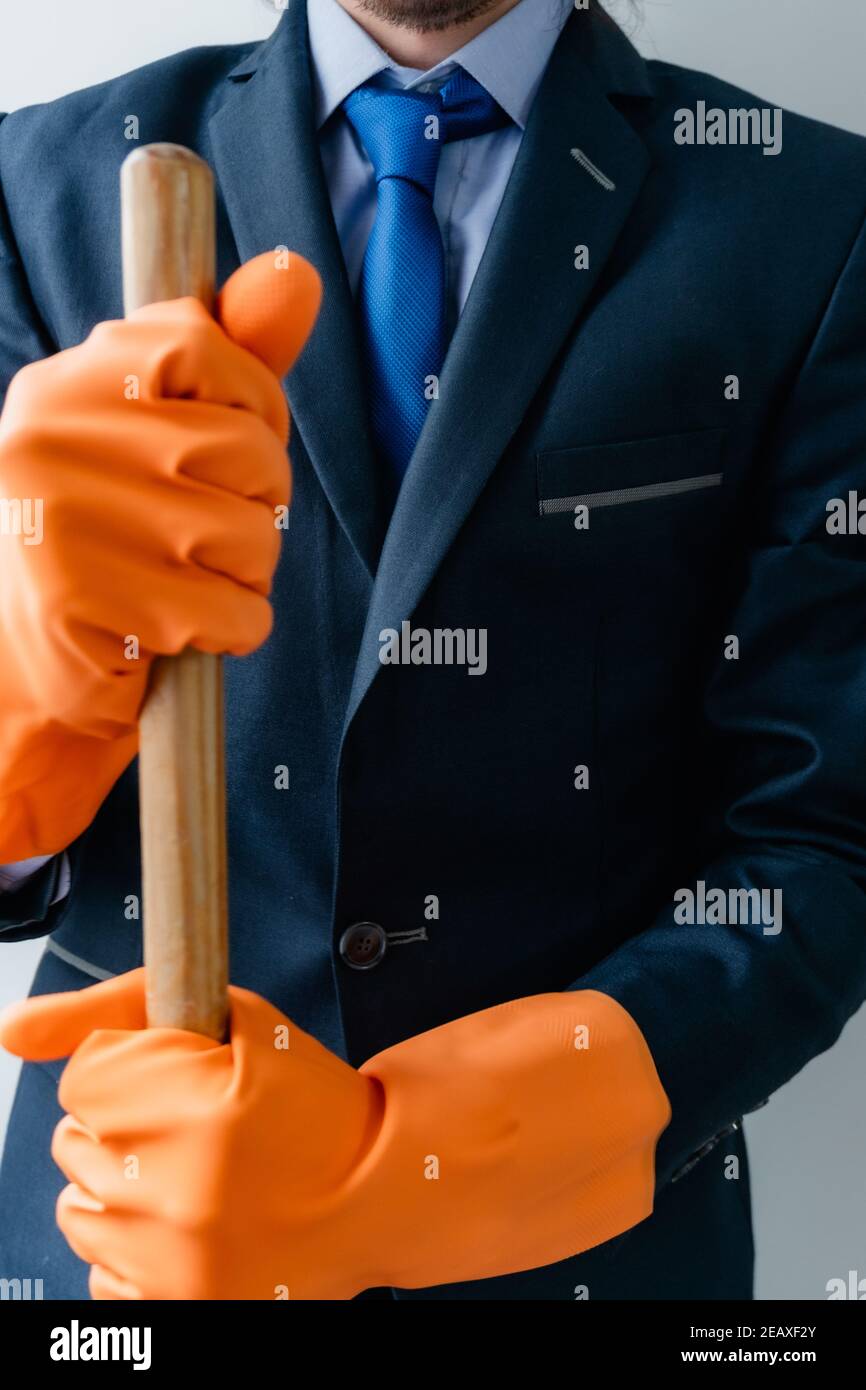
column 363, row 945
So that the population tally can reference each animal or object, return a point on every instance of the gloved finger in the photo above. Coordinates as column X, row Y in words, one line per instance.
column 93, row 1167
column 183, row 353
column 174, row 440
column 109, row 1241
column 74, row 1213
column 49, row 1026
column 131, row 1089
column 219, row 615
column 135, row 1087
column 94, row 1234
column 270, row 305
column 173, row 350
column 226, row 449
column 186, row 523
column 212, row 594
column 106, row 1286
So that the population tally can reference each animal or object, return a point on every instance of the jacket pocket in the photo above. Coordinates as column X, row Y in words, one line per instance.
column 637, row 471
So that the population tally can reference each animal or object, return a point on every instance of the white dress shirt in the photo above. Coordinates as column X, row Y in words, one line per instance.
column 508, row 58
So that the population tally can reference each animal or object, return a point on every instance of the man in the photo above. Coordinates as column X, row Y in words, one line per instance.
column 562, row 706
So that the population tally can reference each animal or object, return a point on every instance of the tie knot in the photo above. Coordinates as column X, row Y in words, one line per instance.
column 403, row 132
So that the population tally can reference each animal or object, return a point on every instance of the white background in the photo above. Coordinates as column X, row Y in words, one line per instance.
column 808, row 1147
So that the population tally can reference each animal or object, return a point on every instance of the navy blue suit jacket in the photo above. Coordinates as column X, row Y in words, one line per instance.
column 606, row 645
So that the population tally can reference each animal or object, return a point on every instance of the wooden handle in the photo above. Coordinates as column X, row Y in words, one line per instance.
column 168, row 228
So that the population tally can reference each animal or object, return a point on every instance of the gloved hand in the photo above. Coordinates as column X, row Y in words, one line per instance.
column 157, row 449
column 267, row 1167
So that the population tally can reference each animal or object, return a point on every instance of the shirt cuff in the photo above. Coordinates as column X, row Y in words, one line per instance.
column 12, row 876
column 26, row 907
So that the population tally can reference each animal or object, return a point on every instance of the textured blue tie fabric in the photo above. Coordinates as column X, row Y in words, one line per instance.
column 401, row 297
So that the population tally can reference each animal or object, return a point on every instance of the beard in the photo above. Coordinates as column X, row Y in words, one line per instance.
column 426, row 16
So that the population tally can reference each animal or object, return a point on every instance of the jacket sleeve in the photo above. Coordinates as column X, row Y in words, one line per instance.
column 23, row 337
column 732, row 1011
column 32, row 909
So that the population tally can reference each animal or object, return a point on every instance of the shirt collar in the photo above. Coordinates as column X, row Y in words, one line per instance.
column 508, row 58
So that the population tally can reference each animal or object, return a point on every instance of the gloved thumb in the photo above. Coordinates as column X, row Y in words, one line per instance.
column 52, row 1025
column 269, row 307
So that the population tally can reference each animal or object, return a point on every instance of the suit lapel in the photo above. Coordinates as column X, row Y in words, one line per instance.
column 524, row 301
column 265, row 151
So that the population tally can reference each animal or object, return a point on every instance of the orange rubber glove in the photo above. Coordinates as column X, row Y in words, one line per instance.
column 267, row 1167
column 157, row 452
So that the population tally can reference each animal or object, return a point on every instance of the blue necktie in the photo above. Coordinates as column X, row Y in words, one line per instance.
column 401, row 298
